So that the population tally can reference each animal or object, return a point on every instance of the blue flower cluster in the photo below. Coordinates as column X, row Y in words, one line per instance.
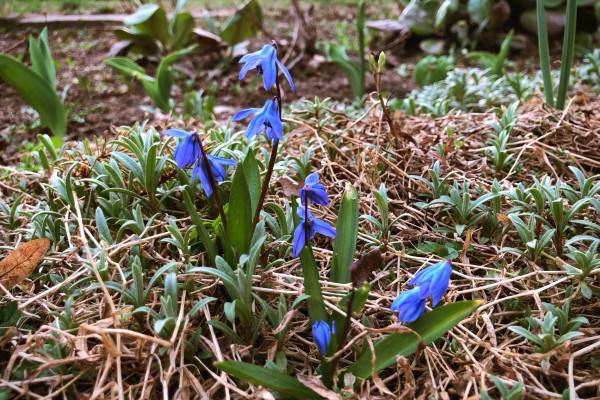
column 268, row 118
column 190, row 153
column 431, row 282
column 309, row 225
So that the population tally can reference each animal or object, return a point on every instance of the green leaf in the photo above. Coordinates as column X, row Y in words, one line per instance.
column 346, row 234
column 41, row 58
column 252, row 174
column 429, row 327
column 183, row 27
column 479, row 10
column 239, row 217
column 272, row 379
column 207, row 242
column 502, row 54
column 152, row 20
column 164, row 76
column 36, row 92
column 431, row 69
column 102, row 226
column 312, row 287
column 244, row 24
column 337, row 55
column 128, row 67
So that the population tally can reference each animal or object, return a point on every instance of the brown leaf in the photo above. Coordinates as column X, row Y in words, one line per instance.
column 289, row 186
column 18, row 264
column 361, row 269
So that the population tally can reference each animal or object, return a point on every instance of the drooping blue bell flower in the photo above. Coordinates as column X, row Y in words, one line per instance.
column 322, row 334
column 314, row 190
column 266, row 119
column 409, row 305
column 315, row 226
column 266, row 62
column 217, row 168
column 433, row 281
column 189, row 150
column 189, row 153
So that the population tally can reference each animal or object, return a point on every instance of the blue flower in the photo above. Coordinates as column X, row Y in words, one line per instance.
column 189, row 150
column 217, row 169
column 314, row 189
column 322, row 334
column 266, row 62
column 409, row 305
column 189, row 153
column 315, row 226
column 266, row 119
column 433, row 281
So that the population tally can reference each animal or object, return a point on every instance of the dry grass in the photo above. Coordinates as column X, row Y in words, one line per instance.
column 109, row 356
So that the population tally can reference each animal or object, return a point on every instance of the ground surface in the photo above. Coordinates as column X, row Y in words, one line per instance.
column 77, row 337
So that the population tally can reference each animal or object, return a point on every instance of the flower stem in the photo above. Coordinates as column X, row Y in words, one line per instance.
column 213, row 184
column 306, row 222
column 274, row 147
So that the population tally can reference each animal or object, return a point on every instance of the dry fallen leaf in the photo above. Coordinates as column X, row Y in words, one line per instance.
column 18, row 264
column 315, row 384
column 361, row 269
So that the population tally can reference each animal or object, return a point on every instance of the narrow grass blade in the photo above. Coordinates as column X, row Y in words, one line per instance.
column 207, row 242
column 566, row 60
column 542, row 32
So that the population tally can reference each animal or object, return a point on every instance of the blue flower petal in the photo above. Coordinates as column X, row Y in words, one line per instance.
column 323, row 228
column 178, row 133
column 312, row 179
column 240, row 115
column 322, row 335
column 409, row 305
column 287, row 75
column 433, row 281
column 266, row 59
column 200, row 173
column 298, row 241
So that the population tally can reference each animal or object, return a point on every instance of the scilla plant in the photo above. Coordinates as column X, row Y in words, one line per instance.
column 235, row 244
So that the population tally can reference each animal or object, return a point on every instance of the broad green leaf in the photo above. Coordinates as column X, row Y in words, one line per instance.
column 252, row 174
column 419, row 18
column 152, row 20
column 239, row 217
column 182, row 28
column 312, row 287
column 41, row 58
column 142, row 14
column 346, row 234
column 127, row 67
column 337, row 55
column 164, row 75
column 244, row 24
column 431, row 69
column 479, row 10
column 429, row 327
column 141, row 42
column 286, row 385
column 36, row 92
